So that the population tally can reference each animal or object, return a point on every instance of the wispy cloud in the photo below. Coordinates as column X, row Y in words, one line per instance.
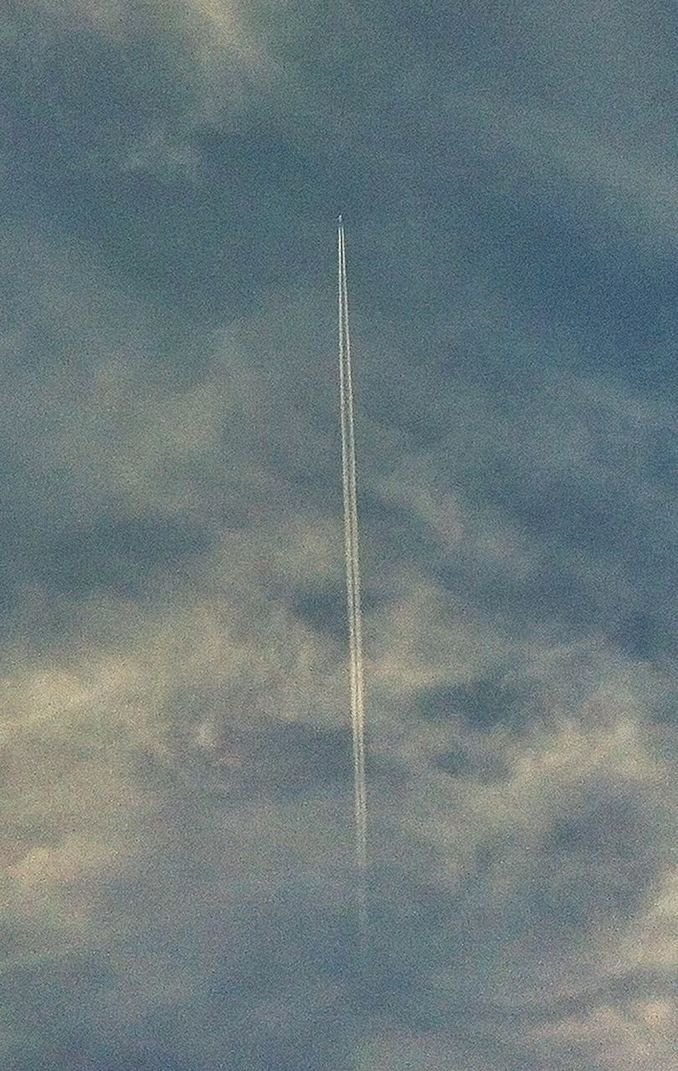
column 177, row 837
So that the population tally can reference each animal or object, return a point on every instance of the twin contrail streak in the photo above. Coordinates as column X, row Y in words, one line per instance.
column 349, row 471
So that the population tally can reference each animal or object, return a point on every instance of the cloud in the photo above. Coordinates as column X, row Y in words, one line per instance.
column 178, row 887
column 629, row 184
column 103, row 16
column 640, row 1038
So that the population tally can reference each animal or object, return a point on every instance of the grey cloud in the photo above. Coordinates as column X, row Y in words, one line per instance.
column 119, row 553
column 207, row 734
column 178, row 888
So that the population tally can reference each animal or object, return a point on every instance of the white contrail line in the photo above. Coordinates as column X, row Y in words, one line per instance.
column 349, row 483
column 348, row 536
column 353, row 589
column 350, row 563
column 357, row 609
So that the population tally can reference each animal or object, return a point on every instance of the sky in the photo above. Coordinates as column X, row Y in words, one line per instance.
column 178, row 886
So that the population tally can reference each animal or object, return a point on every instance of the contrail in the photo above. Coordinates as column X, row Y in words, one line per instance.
column 349, row 480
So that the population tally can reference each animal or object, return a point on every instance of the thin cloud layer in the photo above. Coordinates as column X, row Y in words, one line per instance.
column 177, row 883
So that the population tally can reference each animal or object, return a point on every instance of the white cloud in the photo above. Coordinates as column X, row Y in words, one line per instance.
column 616, row 1040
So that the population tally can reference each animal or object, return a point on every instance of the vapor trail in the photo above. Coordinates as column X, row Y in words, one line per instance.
column 349, row 482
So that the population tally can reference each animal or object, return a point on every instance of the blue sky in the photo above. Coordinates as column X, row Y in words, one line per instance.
column 178, row 891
